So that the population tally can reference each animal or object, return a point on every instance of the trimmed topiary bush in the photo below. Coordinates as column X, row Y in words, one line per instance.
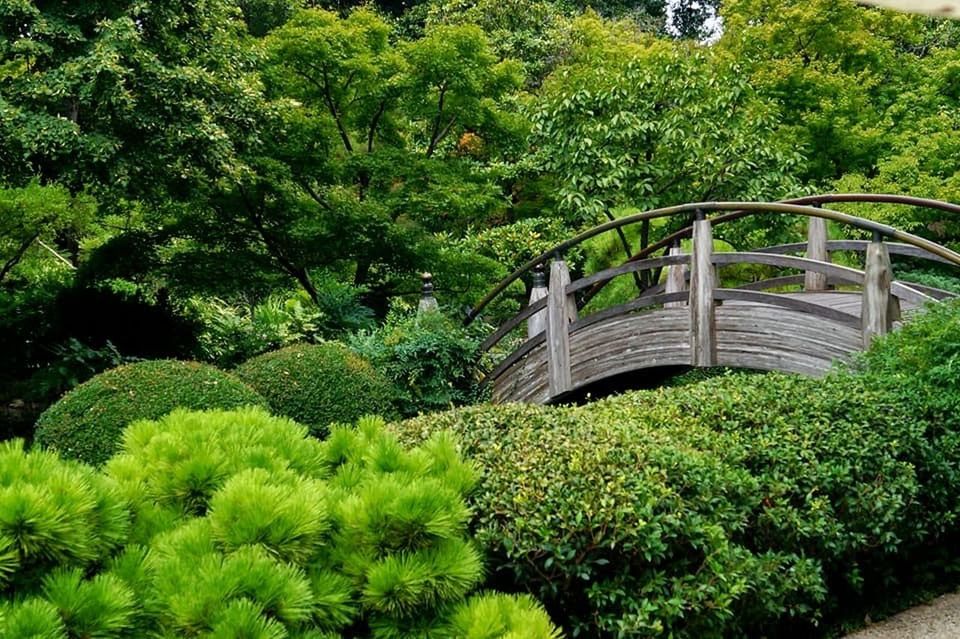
column 86, row 423
column 746, row 505
column 244, row 526
column 319, row 384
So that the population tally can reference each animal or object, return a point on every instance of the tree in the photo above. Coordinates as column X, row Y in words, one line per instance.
column 833, row 67
column 35, row 213
column 126, row 99
column 643, row 123
column 924, row 151
column 374, row 146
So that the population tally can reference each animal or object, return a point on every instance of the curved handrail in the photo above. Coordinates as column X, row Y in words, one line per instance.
column 814, row 200
column 742, row 209
column 836, row 272
column 858, row 246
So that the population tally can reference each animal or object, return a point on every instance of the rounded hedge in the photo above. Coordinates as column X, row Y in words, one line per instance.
column 87, row 422
column 745, row 505
column 319, row 384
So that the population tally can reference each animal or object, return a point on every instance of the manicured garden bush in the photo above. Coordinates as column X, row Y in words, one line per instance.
column 244, row 526
column 87, row 422
column 743, row 505
column 318, row 384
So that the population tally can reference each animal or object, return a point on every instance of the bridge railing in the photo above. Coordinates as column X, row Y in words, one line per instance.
column 552, row 314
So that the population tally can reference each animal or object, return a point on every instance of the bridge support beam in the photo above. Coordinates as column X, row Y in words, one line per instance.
column 879, row 308
column 676, row 277
column 703, row 281
column 561, row 310
column 816, row 250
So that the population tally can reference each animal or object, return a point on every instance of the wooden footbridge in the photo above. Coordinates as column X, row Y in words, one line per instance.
column 822, row 311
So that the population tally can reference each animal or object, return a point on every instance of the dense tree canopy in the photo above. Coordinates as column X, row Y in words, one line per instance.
column 216, row 160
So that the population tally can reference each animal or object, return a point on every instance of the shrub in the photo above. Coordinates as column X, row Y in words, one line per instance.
column 318, row 384
column 730, row 507
column 55, row 517
column 87, row 422
column 233, row 333
column 246, row 527
column 430, row 360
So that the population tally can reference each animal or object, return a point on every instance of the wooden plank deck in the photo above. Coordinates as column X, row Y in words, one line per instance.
column 748, row 335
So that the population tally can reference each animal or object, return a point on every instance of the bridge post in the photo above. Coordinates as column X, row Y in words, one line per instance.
column 816, row 250
column 676, row 279
column 703, row 281
column 879, row 309
column 537, row 323
column 561, row 310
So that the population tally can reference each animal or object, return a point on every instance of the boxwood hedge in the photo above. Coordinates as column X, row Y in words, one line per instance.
column 319, row 384
column 743, row 505
column 87, row 422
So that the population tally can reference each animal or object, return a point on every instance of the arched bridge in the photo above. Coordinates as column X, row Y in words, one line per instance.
column 819, row 312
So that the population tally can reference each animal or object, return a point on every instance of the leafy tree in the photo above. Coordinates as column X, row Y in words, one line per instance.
column 35, row 213
column 834, row 69
column 375, row 145
column 644, row 123
column 924, row 152
column 535, row 32
column 138, row 99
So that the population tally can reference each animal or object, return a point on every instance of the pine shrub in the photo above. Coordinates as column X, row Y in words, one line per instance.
column 87, row 423
column 319, row 384
column 59, row 520
column 245, row 526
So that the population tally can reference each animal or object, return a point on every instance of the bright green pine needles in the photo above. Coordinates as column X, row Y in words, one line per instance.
column 244, row 526
column 53, row 514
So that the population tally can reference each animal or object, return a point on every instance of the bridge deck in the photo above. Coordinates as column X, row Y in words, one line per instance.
column 748, row 335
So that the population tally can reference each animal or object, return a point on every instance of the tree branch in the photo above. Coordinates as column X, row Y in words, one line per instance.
column 436, row 121
column 17, row 255
column 324, row 88
column 374, row 123
column 296, row 271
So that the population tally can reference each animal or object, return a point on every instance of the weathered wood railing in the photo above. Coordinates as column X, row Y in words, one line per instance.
column 552, row 314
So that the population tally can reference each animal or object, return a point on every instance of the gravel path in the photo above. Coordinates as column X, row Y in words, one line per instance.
column 939, row 619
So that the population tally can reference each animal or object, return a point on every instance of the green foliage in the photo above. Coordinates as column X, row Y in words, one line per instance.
column 74, row 362
column 639, row 122
column 492, row 615
column 125, row 98
column 375, row 144
column 57, row 518
column 245, row 526
column 739, row 505
column 35, row 213
column 230, row 334
column 242, row 525
column 534, row 32
column 429, row 358
column 842, row 75
column 923, row 356
column 935, row 278
column 319, row 384
column 87, row 422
